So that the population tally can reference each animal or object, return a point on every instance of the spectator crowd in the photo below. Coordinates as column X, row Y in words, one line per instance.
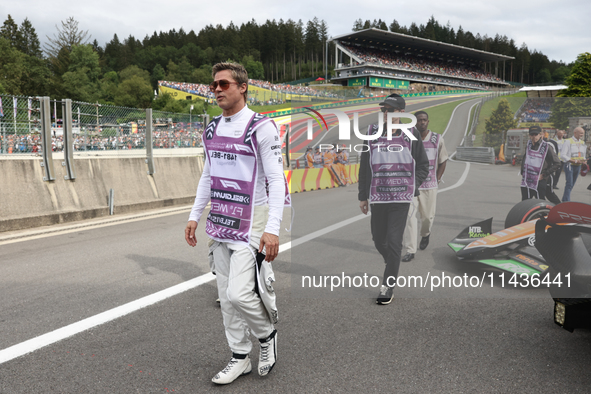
column 203, row 90
column 405, row 61
column 161, row 139
column 536, row 110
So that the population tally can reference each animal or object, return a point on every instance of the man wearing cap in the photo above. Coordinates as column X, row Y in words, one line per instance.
column 388, row 181
column 539, row 162
column 573, row 154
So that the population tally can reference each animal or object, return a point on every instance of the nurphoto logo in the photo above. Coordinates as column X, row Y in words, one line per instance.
column 345, row 129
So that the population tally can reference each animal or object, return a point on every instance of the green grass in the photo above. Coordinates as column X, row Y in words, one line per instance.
column 440, row 114
column 213, row 111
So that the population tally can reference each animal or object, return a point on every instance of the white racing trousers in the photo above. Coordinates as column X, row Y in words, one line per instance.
column 242, row 309
column 423, row 205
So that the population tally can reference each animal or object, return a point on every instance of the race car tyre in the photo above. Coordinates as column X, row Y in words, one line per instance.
column 527, row 210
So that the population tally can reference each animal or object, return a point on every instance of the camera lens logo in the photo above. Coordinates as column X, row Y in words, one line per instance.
column 345, row 128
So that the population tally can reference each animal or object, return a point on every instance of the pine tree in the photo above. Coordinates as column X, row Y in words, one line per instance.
column 9, row 30
column 27, row 40
column 501, row 120
column 68, row 36
column 579, row 80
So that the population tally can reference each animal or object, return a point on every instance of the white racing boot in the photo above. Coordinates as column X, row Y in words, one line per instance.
column 235, row 368
column 268, row 354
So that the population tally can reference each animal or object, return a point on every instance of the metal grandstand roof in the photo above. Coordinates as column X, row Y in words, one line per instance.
column 553, row 87
column 386, row 39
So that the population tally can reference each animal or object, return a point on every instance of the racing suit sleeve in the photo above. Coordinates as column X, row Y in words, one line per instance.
column 203, row 194
column 272, row 165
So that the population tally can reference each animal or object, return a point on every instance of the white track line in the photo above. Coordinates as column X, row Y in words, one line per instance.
column 467, row 123
column 65, row 332
column 452, row 116
column 462, row 179
column 75, row 328
column 460, row 182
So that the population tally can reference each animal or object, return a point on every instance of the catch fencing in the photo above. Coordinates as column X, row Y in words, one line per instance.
column 95, row 127
column 41, row 126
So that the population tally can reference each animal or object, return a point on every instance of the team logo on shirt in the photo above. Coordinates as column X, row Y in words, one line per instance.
column 230, row 184
column 225, row 195
column 242, row 148
column 225, row 221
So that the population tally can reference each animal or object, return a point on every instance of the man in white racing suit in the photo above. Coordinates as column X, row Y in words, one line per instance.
column 241, row 153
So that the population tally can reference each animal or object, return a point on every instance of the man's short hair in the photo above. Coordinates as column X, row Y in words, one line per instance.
column 238, row 71
column 395, row 101
column 422, row 113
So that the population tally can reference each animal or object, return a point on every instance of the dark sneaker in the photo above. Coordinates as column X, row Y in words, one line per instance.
column 385, row 297
column 235, row 368
column 408, row 257
column 424, row 242
column 268, row 354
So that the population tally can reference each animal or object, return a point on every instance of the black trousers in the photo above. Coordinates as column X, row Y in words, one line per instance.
column 388, row 221
column 550, row 195
column 531, row 193
column 544, row 192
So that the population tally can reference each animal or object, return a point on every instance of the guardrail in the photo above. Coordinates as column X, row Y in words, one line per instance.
column 480, row 155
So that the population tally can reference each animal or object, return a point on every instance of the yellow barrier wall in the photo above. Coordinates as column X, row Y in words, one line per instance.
column 178, row 94
column 308, row 179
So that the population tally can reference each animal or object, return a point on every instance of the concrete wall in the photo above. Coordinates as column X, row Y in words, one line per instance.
column 27, row 201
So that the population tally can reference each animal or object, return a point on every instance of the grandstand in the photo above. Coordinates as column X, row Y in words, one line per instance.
column 380, row 59
column 535, row 110
column 542, row 91
column 259, row 92
column 186, row 91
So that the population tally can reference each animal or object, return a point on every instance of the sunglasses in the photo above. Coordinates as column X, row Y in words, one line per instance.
column 222, row 84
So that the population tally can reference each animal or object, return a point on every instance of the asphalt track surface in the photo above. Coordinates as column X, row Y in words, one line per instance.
column 454, row 340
